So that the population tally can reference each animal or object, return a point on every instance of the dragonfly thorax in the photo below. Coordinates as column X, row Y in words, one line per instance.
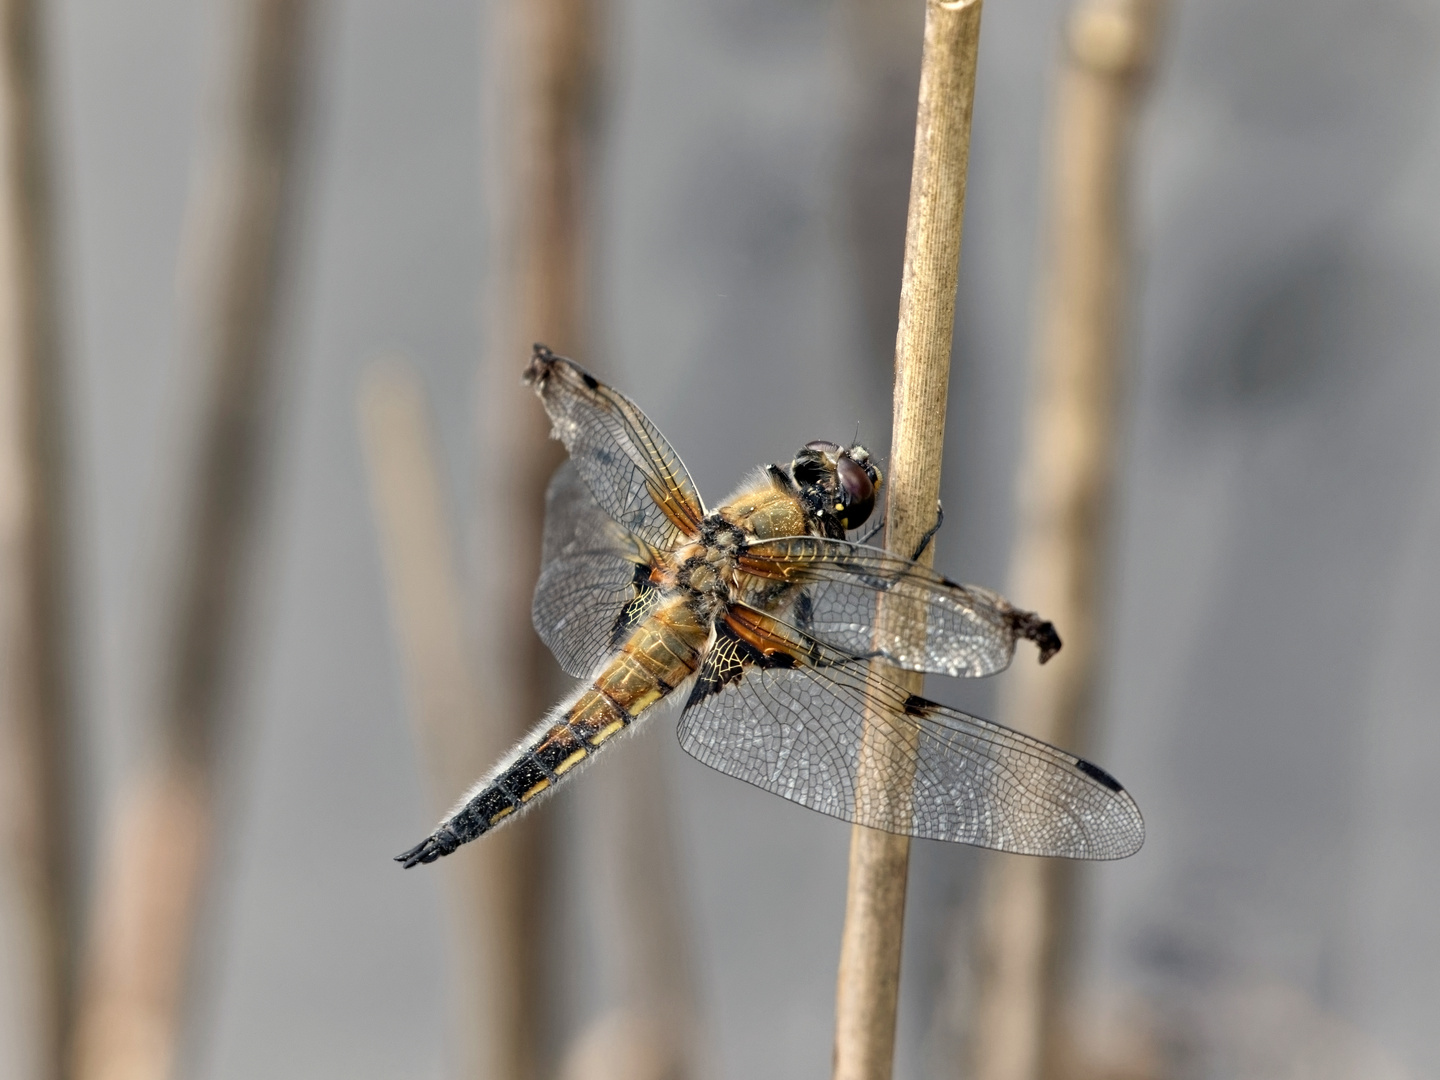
column 708, row 569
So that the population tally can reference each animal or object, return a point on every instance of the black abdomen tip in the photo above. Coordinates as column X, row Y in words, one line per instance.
column 442, row 842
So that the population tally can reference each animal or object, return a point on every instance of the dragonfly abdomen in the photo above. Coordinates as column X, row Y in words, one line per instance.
column 659, row 655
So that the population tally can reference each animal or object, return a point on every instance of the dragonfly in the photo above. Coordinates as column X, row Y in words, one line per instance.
column 767, row 614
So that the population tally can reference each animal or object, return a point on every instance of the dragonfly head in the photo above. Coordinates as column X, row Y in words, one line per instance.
column 839, row 481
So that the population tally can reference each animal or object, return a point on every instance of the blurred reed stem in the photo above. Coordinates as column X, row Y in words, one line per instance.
column 882, row 56
column 537, row 286
column 155, row 863
column 1065, row 480
column 37, row 881
column 417, row 543
column 869, row 979
column 652, row 1031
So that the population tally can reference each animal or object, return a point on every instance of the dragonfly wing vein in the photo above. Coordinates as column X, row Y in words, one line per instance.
column 794, row 727
column 969, row 631
column 634, row 473
column 592, row 574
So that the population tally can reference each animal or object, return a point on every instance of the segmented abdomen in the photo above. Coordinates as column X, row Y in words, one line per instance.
column 657, row 656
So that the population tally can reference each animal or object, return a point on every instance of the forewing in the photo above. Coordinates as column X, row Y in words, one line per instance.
column 633, row 472
column 775, row 708
column 594, row 576
column 968, row 631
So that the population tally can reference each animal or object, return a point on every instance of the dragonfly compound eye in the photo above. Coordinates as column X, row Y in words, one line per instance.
column 857, row 491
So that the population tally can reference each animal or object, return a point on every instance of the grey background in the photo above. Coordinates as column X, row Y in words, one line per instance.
column 1271, row 675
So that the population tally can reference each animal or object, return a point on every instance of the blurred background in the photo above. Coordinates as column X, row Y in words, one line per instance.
column 1265, row 677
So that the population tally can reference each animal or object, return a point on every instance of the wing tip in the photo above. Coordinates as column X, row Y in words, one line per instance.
column 1123, row 821
column 538, row 369
column 1099, row 775
column 1131, row 824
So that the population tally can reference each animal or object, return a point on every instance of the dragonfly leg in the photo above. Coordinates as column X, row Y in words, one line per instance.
column 930, row 532
column 875, row 529
column 871, row 533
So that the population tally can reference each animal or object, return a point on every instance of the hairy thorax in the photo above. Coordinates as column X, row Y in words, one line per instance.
column 708, row 569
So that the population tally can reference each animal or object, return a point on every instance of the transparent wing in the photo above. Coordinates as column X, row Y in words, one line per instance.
column 594, row 576
column 775, row 708
column 634, row 474
column 969, row 631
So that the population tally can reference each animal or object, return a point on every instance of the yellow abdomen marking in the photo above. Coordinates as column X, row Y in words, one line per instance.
column 641, row 702
column 571, row 761
column 605, row 732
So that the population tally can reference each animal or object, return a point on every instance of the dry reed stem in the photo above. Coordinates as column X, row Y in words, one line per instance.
column 652, row 1032
column 36, row 881
column 884, row 67
column 132, row 995
column 1064, row 505
column 869, row 979
column 131, row 1008
column 538, row 298
column 418, row 548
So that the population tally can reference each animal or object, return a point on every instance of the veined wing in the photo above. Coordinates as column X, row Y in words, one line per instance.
column 634, row 474
column 776, row 708
column 594, row 577
column 968, row 631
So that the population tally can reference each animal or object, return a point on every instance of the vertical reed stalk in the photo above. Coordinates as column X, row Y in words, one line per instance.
column 881, row 56
column 653, row 1030
column 652, row 1033
column 418, row 547
column 1064, row 507
column 36, row 883
column 538, row 298
column 869, row 979
column 153, row 876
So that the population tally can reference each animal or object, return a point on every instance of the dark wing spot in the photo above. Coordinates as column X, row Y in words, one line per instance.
column 590, row 381
column 804, row 612
column 918, row 706
column 729, row 658
column 1098, row 774
column 634, row 613
column 725, row 663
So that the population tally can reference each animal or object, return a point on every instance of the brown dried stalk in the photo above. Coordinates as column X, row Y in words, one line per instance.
column 538, row 298
column 869, row 979
column 1065, row 483
column 419, row 551
column 651, row 1031
column 152, row 879
column 36, row 886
